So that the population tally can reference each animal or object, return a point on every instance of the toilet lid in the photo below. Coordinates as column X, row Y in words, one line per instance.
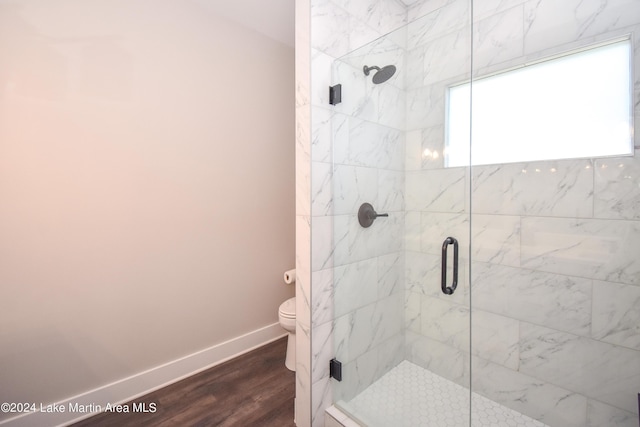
column 288, row 308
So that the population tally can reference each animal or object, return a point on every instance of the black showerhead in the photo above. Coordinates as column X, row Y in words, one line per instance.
column 382, row 75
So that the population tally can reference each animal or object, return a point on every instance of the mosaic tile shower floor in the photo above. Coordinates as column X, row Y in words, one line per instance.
column 411, row 396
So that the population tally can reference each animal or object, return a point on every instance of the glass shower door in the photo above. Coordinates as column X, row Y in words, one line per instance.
column 555, row 269
column 401, row 344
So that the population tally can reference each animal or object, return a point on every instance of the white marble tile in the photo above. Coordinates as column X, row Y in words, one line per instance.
column 528, row 395
column 391, row 274
column 340, row 124
column 353, row 335
column 322, row 246
column 486, row 8
column 384, row 16
column 422, row 273
column 599, row 249
column 616, row 314
column 355, row 285
column 549, row 23
column 389, row 15
column 321, row 189
column 617, row 193
column 495, row 239
column 498, row 38
column 329, row 28
column 390, row 191
column 413, row 150
column 303, row 160
column 445, row 322
column 495, row 338
column 303, row 300
column 412, row 309
column 599, row 414
column 390, row 353
column 322, row 351
column 388, row 232
column 352, row 242
column 374, row 145
column 432, row 148
column 352, row 186
column 321, row 134
column 388, row 318
column 424, row 149
column 602, row 371
column 438, row 226
column 392, row 102
column 557, row 301
column 425, row 106
column 303, row 264
column 436, row 190
column 421, row 8
column 393, row 147
column 456, row 47
column 322, row 296
column 449, row 18
column 412, row 231
column 321, row 78
column 360, row 34
column 322, row 395
column 547, row 188
column 414, row 68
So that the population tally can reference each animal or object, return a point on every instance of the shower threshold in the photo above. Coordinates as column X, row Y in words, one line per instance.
column 411, row 396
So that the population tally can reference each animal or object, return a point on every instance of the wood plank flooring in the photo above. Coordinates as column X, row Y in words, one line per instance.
column 254, row 389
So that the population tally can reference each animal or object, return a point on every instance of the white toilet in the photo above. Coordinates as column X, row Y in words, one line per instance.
column 287, row 317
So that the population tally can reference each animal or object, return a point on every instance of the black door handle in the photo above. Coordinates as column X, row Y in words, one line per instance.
column 448, row 290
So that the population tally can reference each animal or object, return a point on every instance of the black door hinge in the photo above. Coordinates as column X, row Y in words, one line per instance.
column 335, row 94
column 335, row 369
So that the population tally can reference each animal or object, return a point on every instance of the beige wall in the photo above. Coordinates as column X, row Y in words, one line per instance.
column 146, row 188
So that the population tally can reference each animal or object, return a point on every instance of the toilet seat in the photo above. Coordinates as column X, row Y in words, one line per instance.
column 288, row 308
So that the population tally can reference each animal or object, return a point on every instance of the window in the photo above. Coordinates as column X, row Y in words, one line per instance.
column 574, row 106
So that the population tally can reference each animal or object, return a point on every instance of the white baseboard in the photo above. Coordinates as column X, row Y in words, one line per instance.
column 145, row 382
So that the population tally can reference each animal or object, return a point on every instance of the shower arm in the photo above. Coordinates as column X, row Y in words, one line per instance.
column 368, row 69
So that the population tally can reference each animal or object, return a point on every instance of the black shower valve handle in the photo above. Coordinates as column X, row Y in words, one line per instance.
column 366, row 215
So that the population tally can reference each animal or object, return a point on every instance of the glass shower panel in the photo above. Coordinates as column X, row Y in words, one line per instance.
column 397, row 336
column 555, row 271
column 368, row 263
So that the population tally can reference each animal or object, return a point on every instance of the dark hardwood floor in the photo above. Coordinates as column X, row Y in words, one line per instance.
column 255, row 389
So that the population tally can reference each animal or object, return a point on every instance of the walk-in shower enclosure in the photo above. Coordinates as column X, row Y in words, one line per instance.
column 506, row 134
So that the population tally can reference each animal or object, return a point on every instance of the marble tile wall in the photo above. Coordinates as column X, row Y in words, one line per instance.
column 303, row 408
column 554, row 270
